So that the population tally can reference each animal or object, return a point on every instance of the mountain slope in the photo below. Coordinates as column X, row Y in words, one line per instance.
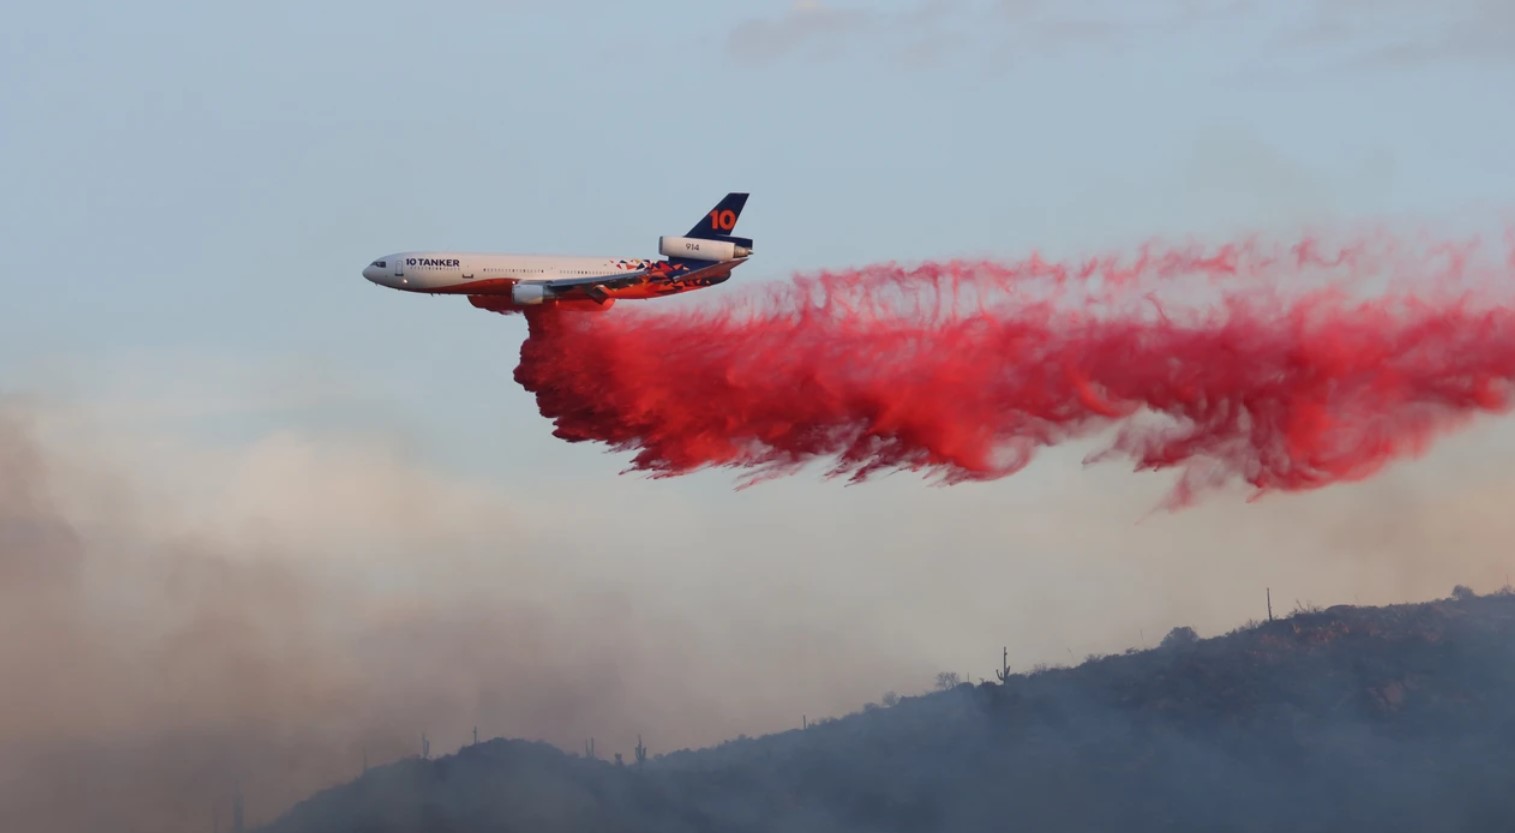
column 1393, row 718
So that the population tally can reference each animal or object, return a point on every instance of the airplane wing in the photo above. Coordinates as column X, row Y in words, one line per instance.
column 594, row 286
column 614, row 281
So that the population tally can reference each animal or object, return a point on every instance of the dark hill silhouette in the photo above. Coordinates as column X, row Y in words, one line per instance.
column 1352, row 718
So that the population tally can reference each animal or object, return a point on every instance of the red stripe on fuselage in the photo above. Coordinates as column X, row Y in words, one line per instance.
column 488, row 286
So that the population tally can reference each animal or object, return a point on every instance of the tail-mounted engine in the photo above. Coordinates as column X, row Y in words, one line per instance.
column 696, row 248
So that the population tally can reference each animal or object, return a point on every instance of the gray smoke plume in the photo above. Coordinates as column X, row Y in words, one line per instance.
column 263, row 623
column 179, row 625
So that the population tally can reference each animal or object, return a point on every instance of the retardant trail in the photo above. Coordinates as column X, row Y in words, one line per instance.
column 1288, row 367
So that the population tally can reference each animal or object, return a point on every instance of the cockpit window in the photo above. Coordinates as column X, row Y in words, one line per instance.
column 379, row 263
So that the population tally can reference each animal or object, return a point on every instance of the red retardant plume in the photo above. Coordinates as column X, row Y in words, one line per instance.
column 1278, row 366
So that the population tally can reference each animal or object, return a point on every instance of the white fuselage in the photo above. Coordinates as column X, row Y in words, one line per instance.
column 470, row 272
column 508, row 283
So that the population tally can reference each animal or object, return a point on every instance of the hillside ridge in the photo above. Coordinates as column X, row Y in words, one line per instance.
column 1352, row 717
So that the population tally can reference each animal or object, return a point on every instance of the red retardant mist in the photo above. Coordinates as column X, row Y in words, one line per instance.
column 1289, row 367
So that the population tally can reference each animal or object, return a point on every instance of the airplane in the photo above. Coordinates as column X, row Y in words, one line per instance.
column 510, row 283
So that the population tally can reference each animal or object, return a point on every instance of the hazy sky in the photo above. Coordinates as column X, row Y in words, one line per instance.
column 192, row 191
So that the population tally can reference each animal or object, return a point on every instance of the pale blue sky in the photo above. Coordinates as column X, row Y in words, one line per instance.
column 208, row 180
column 192, row 190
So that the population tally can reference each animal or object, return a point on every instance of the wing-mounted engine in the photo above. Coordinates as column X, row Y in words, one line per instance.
column 713, row 249
column 529, row 294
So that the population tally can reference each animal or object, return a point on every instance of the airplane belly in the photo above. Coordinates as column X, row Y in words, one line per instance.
column 478, row 286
